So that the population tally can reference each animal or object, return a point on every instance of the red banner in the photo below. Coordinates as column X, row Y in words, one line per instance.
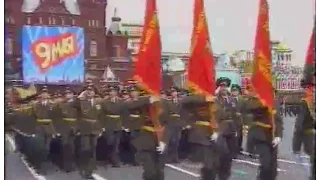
column 262, row 75
column 201, row 71
column 148, row 64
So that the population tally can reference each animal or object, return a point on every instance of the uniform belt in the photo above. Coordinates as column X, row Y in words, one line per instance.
column 264, row 125
column 308, row 131
column 175, row 115
column 69, row 119
column 135, row 115
column 202, row 123
column 226, row 120
column 44, row 120
column 90, row 120
column 148, row 128
column 113, row 116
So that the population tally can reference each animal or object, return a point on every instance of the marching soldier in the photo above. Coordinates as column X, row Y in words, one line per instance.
column 226, row 116
column 264, row 138
column 132, row 123
column 68, row 129
column 111, row 122
column 174, row 124
column 145, row 140
column 125, row 95
column 89, row 129
column 201, row 134
column 238, row 102
column 40, row 143
column 304, row 126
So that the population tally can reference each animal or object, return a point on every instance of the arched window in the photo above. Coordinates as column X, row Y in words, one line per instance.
column 93, row 48
column 9, row 46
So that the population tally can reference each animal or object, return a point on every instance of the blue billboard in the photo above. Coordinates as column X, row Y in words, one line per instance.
column 53, row 55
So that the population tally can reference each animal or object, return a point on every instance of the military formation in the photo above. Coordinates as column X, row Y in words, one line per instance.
column 151, row 128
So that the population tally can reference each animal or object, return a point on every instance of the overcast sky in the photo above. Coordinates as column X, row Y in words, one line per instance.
column 232, row 23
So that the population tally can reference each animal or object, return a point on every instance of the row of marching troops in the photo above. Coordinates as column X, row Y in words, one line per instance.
column 78, row 121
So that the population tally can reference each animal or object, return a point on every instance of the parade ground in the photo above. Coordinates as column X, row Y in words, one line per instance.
column 243, row 168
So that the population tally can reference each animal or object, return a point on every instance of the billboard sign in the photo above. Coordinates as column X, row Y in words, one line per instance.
column 53, row 55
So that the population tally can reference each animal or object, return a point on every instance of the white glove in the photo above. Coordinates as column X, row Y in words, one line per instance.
column 214, row 136
column 98, row 106
column 125, row 129
column 276, row 141
column 217, row 91
column 154, row 99
column 161, row 147
column 103, row 129
column 33, row 135
column 188, row 127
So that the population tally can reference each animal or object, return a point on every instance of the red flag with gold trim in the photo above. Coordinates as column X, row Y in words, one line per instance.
column 201, row 71
column 262, row 73
column 309, row 73
column 310, row 61
column 148, row 65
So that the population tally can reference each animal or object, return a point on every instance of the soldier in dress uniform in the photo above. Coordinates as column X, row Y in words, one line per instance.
column 145, row 139
column 132, row 123
column 227, row 120
column 112, row 109
column 239, row 102
column 174, row 124
column 89, row 129
column 68, row 128
column 304, row 126
column 264, row 138
column 125, row 95
column 43, row 113
column 201, row 134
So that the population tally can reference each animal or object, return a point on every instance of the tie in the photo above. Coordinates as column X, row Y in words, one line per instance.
column 227, row 100
column 236, row 100
column 91, row 102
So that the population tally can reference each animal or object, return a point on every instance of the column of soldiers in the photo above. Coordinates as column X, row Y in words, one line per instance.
column 78, row 121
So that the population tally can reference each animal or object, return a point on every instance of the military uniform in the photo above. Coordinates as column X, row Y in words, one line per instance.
column 68, row 127
column 303, row 131
column 89, row 129
column 112, row 109
column 199, row 135
column 228, row 128
column 174, row 126
column 145, row 140
column 260, row 136
column 238, row 102
column 133, row 120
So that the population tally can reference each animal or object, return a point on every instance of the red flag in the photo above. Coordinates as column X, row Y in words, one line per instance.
column 309, row 71
column 262, row 74
column 148, row 66
column 310, row 61
column 201, row 65
column 201, row 71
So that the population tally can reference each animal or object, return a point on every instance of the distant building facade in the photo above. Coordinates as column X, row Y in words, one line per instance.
column 103, row 47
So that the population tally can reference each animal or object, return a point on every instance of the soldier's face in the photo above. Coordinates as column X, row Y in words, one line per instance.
column 223, row 90
column 113, row 93
column 90, row 94
column 174, row 94
column 69, row 95
column 235, row 93
column 44, row 95
column 134, row 94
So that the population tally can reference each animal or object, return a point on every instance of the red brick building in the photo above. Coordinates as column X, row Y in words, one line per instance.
column 102, row 48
